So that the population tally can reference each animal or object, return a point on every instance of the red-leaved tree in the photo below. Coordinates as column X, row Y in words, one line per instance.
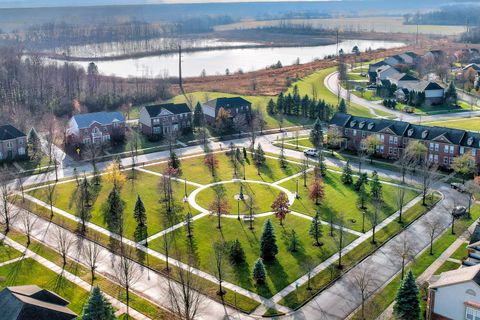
column 316, row 190
column 281, row 207
column 211, row 162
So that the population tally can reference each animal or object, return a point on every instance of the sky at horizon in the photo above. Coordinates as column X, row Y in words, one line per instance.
column 41, row 3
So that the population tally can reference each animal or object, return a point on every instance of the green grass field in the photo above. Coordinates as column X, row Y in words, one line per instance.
column 284, row 270
column 472, row 124
column 262, row 196
column 8, row 253
column 194, row 169
column 335, row 202
column 145, row 185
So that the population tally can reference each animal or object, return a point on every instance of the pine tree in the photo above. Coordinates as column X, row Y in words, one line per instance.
column 268, row 242
column 98, row 307
column 113, row 211
column 237, row 255
column 376, row 187
column 271, row 107
column 342, row 107
column 316, row 229
column 362, row 179
column 316, row 135
column 294, row 243
column 347, row 174
column 259, row 156
column 189, row 224
column 407, row 305
column 259, row 273
column 244, row 151
column 451, row 93
column 174, row 162
column 280, row 103
column 34, row 146
column 141, row 219
column 198, row 116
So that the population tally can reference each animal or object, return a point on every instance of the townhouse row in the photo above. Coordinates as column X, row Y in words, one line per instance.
column 443, row 144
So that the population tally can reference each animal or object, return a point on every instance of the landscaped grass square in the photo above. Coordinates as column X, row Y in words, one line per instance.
column 194, row 169
column 145, row 185
column 28, row 271
column 287, row 267
column 342, row 199
column 261, row 195
column 8, row 253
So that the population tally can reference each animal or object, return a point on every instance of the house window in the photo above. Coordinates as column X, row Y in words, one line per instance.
column 21, row 142
column 390, row 139
column 354, row 133
column 9, row 145
column 116, row 124
column 432, row 146
column 474, row 152
column 156, row 130
column 445, row 149
column 156, row 121
column 86, row 140
column 472, row 314
column 452, row 149
column 437, row 147
column 346, row 132
column 381, row 137
column 445, row 160
column 435, row 158
column 106, row 138
column 21, row 151
column 430, row 157
column 462, row 150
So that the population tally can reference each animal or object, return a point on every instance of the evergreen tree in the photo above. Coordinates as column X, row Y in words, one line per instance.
column 271, row 107
column 84, row 198
column 316, row 135
column 322, row 166
column 407, row 305
column 268, row 242
column 98, row 307
column 113, row 211
column 259, row 156
column 376, row 187
column 280, row 103
column 362, row 196
column 362, row 179
column 237, row 255
column 347, row 174
column 342, row 107
column 294, row 242
column 189, row 224
column 139, row 213
column 288, row 105
column 305, row 106
column 451, row 94
column 259, row 274
column 316, row 229
column 244, row 151
column 34, row 146
column 198, row 116
column 296, row 101
column 174, row 162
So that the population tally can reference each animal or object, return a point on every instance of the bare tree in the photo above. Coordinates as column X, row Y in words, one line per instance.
column 429, row 175
column 50, row 193
column 339, row 239
column 404, row 250
column 64, row 241
column 127, row 273
column 363, row 279
column 373, row 217
column 433, row 225
column 184, row 294
column 219, row 257
column 28, row 221
column 91, row 254
column 400, row 199
column 8, row 209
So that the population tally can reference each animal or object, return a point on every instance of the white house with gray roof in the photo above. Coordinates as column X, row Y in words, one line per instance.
column 96, row 127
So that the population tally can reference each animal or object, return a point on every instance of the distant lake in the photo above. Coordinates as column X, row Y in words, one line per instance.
column 217, row 61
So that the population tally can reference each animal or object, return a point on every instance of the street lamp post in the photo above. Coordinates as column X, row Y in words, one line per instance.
column 296, row 188
column 238, row 209
column 244, row 175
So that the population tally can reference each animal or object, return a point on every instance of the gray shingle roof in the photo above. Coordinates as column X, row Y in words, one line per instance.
column 227, row 103
column 85, row 120
column 32, row 302
column 403, row 77
column 8, row 132
column 175, row 108
column 458, row 276
column 423, row 86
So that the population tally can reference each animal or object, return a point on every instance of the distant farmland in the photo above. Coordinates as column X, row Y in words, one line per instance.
column 364, row 24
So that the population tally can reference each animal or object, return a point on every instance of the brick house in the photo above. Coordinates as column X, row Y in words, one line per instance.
column 13, row 143
column 96, row 127
column 454, row 295
column 234, row 105
column 443, row 144
column 161, row 119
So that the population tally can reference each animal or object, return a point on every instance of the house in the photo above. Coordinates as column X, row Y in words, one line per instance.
column 394, row 60
column 435, row 56
column 372, row 70
column 32, row 302
column 467, row 54
column 455, row 294
column 13, row 143
column 409, row 58
column 384, row 72
column 234, row 106
column 401, row 80
column 473, row 248
column 162, row 119
column 433, row 92
column 96, row 127
column 443, row 144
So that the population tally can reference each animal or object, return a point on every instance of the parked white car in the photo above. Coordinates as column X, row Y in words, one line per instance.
column 311, row 153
